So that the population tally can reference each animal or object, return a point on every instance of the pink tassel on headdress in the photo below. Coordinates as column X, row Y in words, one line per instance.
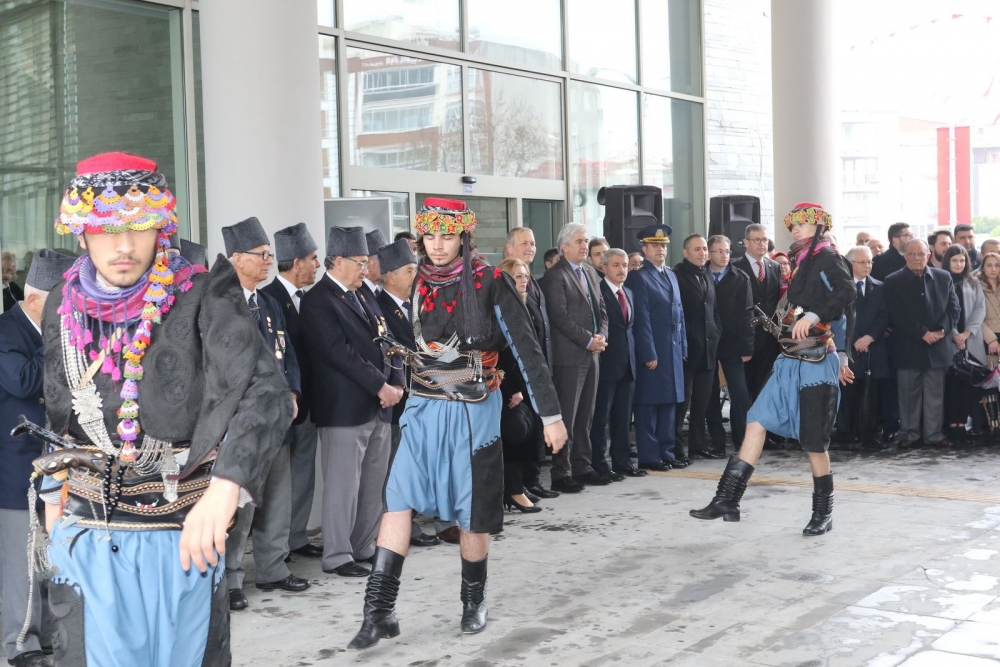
column 103, row 342
column 116, row 374
column 108, row 365
column 93, row 355
column 116, row 346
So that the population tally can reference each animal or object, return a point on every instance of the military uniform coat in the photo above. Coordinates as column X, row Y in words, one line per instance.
column 660, row 334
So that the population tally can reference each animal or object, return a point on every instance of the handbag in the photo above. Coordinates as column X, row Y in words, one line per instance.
column 968, row 369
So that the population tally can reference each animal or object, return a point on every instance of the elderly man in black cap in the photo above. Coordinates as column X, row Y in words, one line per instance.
column 295, row 252
column 372, row 285
column 353, row 390
column 249, row 250
column 398, row 266
column 194, row 253
column 21, row 370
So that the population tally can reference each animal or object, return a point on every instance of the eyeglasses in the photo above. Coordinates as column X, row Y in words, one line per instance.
column 722, row 251
column 905, row 235
column 363, row 265
column 266, row 256
column 761, row 240
column 866, row 262
column 521, row 277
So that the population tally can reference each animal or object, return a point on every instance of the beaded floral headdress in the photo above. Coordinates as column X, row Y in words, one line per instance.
column 809, row 214
column 448, row 216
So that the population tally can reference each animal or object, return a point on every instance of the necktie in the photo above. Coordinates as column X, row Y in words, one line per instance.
column 718, row 277
column 353, row 298
column 255, row 311
column 586, row 290
column 406, row 307
column 300, row 293
column 861, row 289
column 623, row 303
column 760, row 272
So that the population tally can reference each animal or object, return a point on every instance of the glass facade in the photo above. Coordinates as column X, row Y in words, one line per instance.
column 66, row 95
column 328, row 122
column 499, row 31
column 602, row 39
column 671, row 45
column 432, row 23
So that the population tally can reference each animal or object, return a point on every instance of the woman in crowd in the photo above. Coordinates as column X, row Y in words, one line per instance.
column 520, row 427
column 786, row 269
column 989, row 280
column 960, row 395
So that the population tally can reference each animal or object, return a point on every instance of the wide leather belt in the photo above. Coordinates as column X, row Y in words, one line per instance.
column 813, row 348
column 456, row 380
column 141, row 505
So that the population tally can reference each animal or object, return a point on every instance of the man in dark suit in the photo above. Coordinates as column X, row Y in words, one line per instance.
column 398, row 267
column 735, row 301
column 371, row 286
column 765, row 282
column 22, row 368
column 579, row 333
column 892, row 260
column 295, row 252
column 249, row 250
column 660, row 346
column 617, row 377
column 521, row 245
column 870, row 359
column 923, row 312
column 965, row 236
column 353, row 390
column 701, row 320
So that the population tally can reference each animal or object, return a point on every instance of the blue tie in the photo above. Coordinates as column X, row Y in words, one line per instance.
column 861, row 285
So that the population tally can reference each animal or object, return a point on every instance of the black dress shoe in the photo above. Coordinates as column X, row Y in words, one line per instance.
column 30, row 659
column 592, row 479
column 237, row 601
column 714, row 454
column 632, row 472
column 290, row 583
column 678, row 464
column 349, row 569
column 309, row 551
column 541, row 492
column 424, row 540
column 511, row 504
column 615, row 477
column 908, row 444
column 451, row 535
column 567, row 485
column 658, row 466
column 530, row 496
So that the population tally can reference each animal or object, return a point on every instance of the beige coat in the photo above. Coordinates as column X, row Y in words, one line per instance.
column 991, row 325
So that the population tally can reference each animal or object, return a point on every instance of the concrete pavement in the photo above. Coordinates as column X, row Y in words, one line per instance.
column 621, row 574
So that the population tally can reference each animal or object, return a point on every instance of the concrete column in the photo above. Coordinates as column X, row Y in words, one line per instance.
column 260, row 73
column 806, row 111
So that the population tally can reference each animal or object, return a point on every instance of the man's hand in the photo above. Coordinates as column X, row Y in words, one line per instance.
column 961, row 338
column 862, row 344
column 52, row 514
column 204, row 533
column 295, row 406
column 746, row 359
column 597, row 343
column 555, row 436
column 515, row 400
column 389, row 395
column 846, row 375
column 932, row 337
column 801, row 329
column 651, row 365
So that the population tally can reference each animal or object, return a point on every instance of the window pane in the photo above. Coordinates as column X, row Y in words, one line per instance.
column 325, row 13
column 673, row 160
column 405, row 113
column 499, row 30
column 76, row 80
column 426, row 22
column 328, row 115
column 515, row 125
column 671, row 45
column 602, row 39
column 400, row 208
column 604, row 146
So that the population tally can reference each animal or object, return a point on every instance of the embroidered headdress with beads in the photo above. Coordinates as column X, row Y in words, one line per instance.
column 115, row 192
column 448, row 216
column 807, row 213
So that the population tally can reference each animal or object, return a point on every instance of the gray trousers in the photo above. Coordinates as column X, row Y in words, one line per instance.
column 576, row 387
column 921, row 394
column 355, row 462
column 270, row 529
column 302, row 456
column 14, row 585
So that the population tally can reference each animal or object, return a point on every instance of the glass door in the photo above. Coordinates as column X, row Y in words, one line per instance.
column 544, row 218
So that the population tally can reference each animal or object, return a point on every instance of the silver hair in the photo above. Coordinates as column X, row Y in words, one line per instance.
column 858, row 249
column 922, row 242
column 756, row 227
column 29, row 290
column 567, row 232
column 615, row 252
column 512, row 234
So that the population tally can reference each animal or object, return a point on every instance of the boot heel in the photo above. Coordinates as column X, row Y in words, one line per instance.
column 391, row 629
column 731, row 518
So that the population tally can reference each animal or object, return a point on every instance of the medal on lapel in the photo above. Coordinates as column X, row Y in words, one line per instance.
column 279, row 345
column 270, row 329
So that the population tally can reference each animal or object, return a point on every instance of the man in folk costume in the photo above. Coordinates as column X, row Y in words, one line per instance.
column 800, row 398
column 156, row 371
column 449, row 462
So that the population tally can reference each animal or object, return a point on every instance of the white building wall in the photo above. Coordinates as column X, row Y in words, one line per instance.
column 738, row 91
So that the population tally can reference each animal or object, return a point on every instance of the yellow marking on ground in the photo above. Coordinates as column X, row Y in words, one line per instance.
column 919, row 492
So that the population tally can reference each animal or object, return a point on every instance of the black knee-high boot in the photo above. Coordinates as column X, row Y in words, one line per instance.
column 474, row 610
column 380, row 600
column 732, row 484
column 822, row 518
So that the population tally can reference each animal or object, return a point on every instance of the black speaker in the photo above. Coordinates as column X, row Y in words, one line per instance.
column 730, row 215
column 627, row 210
